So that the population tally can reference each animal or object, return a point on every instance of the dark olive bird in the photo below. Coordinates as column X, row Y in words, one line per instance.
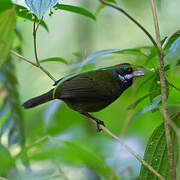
column 91, row 91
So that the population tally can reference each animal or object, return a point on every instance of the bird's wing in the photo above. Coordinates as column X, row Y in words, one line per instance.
column 83, row 88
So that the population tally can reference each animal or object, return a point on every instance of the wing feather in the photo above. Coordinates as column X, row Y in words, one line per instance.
column 84, row 88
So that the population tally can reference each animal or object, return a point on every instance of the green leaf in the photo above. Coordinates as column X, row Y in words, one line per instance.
column 99, row 9
column 134, row 104
column 77, row 54
column 174, row 52
column 87, row 67
column 91, row 160
column 39, row 7
column 75, row 9
column 7, row 33
column 155, row 85
column 73, row 153
column 156, row 153
column 172, row 40
column 14, row 125
column 149, row 107
column 112, row 1
column 7, row 161
column 91, row 58
column 56, row 59
column 5, row 4
column 24, row 13
column 146, row 81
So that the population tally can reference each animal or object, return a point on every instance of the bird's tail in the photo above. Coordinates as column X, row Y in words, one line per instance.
column 39, row 100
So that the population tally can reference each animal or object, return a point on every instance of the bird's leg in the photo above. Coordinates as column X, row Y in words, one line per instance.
column 98, row 122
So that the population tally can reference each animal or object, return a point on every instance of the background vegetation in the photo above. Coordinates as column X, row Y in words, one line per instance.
column 54, row 142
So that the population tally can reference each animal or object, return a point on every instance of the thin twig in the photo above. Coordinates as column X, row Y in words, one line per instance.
column 34, row 40
column 172, row 85
column 34, row 64
column 23, row 58
column 47, row 73
column 169, row 38
column 61, row 172
column 35, row 49
column 38, row 24
column 156, row 24
column 132, row 19
column 164, row 94
column 139, row 158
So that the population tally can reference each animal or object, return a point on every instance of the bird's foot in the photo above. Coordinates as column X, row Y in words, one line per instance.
column 98, row 123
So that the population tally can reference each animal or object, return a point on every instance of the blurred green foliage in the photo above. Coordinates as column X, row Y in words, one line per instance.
column 54, row 142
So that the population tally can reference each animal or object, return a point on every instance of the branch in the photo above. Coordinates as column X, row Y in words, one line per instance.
column 172, row 85
column 132, row 19
column 23, row 58
column 34, row 64
column 169, row 38
column 164, row 94
column 34, row 40
column 38, row 24
column 139, row 158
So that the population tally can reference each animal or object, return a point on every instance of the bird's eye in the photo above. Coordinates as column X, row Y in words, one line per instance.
column 128, row 70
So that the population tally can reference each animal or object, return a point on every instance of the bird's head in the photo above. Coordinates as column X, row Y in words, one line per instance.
column 126, row 74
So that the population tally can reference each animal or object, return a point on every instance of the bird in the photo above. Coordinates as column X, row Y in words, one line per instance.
column 90, row 91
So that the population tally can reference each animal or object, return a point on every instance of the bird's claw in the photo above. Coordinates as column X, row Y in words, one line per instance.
column 99, row 122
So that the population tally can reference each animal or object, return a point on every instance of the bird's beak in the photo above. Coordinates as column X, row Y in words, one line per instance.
column 138, row 73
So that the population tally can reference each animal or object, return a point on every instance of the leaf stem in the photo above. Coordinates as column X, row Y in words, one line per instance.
column 132, row 19
column 163, row 93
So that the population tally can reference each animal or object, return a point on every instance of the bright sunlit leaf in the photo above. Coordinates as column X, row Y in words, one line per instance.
column 39, row 7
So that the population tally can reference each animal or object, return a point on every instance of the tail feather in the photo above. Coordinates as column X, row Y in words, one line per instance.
column 39, row 100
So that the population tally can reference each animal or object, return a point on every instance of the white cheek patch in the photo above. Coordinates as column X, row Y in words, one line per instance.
column 128, row 76
column 121, row 77
column 125, row 78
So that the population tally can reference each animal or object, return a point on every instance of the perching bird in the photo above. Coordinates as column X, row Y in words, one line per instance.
column 91, row 91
